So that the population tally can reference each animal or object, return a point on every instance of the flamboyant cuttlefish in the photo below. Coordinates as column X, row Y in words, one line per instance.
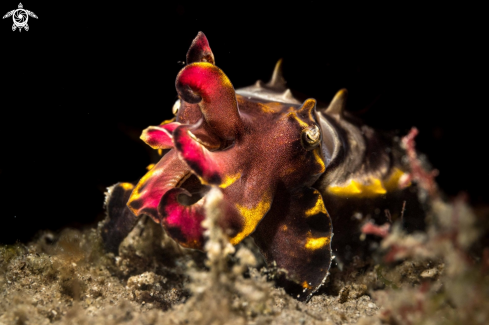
column 281, row 165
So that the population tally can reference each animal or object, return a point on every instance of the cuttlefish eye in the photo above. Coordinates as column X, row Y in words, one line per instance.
column 311, row 137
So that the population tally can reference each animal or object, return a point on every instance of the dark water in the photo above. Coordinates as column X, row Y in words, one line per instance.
column 81, row 84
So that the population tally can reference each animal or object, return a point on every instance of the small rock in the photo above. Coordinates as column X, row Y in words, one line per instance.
column 428, row 274
column 343, row 295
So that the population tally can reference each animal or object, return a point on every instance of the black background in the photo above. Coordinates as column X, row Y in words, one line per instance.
column 80, row 85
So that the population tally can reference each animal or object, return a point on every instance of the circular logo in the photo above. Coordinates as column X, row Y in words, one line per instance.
column 20, row 17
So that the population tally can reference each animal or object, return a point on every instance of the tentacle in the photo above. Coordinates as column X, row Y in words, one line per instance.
column 207, row 85
column 200, row 50
column 165, row 175
column 296, row 234
column 159, row 137
column 120, row 220
column 210, row 168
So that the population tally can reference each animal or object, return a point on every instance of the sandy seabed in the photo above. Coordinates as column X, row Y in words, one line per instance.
column 435, row 277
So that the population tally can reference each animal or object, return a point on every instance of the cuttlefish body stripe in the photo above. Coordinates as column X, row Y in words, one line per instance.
column 371, row 188
column 127, row 186
column 251, row 216
column 168, row 121
column 355, row 188
column 317, row 208
column 229, row 180
column 306, row 285
column 138, row 191
column 293, row 115
column 392, row 182
column 317, row 243
column 319, row 159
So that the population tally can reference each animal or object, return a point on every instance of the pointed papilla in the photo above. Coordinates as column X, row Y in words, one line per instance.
column 278, row 82
column 338, row 104
column 200, row 50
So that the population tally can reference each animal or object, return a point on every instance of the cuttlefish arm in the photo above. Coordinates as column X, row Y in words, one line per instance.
column 242, row 209
column 159, row 137
column 296, row 235
column 213, row 168
column 164, row 176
